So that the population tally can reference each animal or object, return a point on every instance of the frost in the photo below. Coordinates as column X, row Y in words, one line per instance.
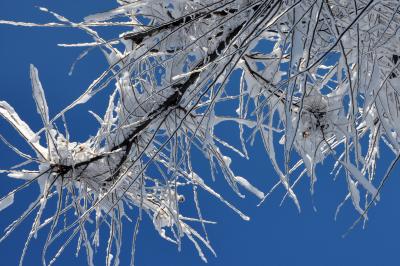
column 9, row 114
column 8, row 201
column 38, row 95
column 246, row 184
column 323, row 89
column 361, row 179
column 355, row 196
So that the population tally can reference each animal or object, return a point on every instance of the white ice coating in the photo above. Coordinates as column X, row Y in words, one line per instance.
column 8, row 201
column 325, row 88
column 246, row 184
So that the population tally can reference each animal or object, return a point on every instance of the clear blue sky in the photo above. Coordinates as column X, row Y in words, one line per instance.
column 274, row 236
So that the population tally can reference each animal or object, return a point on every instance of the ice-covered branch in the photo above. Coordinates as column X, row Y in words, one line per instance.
column 319, row 80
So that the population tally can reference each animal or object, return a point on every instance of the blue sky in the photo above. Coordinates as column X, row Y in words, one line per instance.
column 274, row 236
